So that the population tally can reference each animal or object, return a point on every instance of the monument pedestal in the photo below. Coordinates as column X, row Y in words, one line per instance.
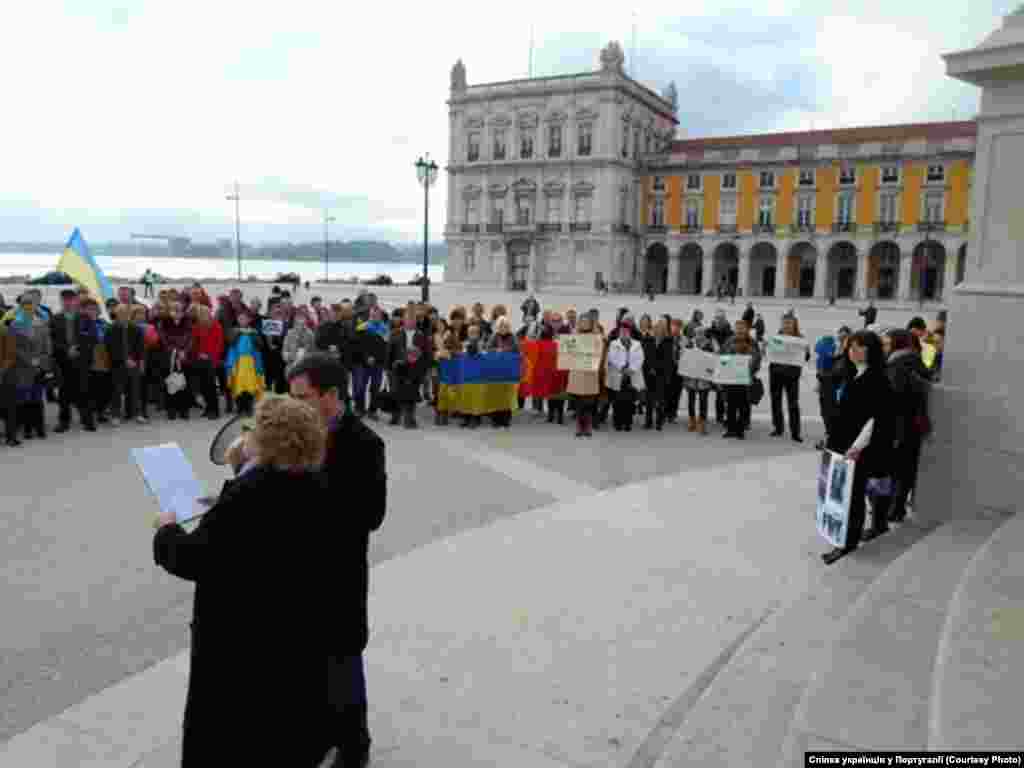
column 974, row 461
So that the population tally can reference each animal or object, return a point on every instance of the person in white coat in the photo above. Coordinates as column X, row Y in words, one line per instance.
column 624, row 374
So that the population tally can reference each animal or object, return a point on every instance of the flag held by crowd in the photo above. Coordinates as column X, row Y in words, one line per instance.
column 476, row 385
column 78, row 263
column 541, row 377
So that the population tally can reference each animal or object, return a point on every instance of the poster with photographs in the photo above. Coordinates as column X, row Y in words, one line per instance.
column 835, row 481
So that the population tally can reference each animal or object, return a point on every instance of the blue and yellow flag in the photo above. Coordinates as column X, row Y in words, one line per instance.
column 476, row 385
column 77, row 263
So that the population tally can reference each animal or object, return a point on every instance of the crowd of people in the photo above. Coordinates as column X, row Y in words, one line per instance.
column 185, row 354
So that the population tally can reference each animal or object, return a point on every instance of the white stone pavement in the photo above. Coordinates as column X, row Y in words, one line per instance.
column 553, row 638
column 600, row 631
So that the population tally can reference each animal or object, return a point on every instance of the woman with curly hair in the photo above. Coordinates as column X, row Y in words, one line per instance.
column 250, row 653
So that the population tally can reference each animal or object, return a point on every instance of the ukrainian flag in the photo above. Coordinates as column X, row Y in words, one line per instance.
column 476, row 385
column 78, row 264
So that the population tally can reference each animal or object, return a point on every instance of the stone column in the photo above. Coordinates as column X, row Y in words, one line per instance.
column 532, row 284
column 708, row 272
column 906, row 273
column 674, row 266
column 821, row 276
column 973, row 464
column 949, row 278
column 860, row 290
column 744, row 278
column 780, row 271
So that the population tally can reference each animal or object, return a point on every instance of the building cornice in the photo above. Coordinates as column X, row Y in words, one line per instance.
column 561, row 84
column 692, row 166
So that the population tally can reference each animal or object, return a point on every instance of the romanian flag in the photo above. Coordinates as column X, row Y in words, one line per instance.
column 78, row 264
column 541, row 377
column 476, row 385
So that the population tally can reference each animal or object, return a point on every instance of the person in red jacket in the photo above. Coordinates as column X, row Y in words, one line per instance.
column 206, row 356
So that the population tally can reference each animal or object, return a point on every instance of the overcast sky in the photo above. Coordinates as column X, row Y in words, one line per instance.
column 137, row 116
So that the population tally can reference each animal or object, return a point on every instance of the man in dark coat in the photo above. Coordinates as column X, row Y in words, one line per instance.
column 64, row 338
column 749, row 315
column 409, row 355
column 356, row 473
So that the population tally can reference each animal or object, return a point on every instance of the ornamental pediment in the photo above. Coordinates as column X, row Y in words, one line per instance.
column 501, row 121
column 582, row 189
column 586, row 114
column 525, row 187
column 497, row 190
column 554, row 188
column 527, row 119
column 557, row 116
column 471, row 192
column 474, row 123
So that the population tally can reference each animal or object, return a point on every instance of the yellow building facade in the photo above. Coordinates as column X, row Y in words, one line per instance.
column 863, row 213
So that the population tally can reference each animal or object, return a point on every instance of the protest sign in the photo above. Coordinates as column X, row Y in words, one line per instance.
column 786, row 350
column 273, row 328
column 697, row 364
column 580, row 352
column 835, row 489
column 169, row 477
column 733, row 370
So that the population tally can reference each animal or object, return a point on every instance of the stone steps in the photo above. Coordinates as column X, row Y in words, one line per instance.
column 979, row 669
column 872, row 689
column 744, row 715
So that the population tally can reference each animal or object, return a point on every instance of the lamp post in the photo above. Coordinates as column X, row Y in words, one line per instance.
column 236, row 198
column 327, row 220
column 426, row 173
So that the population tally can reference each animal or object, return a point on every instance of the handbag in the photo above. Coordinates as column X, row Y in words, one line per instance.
column 922, row 424
column 756, row 391
column 175, row 381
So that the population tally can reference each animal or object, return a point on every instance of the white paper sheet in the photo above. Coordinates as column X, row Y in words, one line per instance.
column 169, row 477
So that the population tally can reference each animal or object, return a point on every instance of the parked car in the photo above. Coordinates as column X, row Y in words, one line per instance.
column 379, row 280
column 419, row 280
column 292, row 278
column 51, row 278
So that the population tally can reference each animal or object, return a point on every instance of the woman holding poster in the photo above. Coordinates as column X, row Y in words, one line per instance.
column 738, row 395
column 784, row 376
column 863, row 432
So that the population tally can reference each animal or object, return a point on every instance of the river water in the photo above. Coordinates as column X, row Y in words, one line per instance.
column 132, row 267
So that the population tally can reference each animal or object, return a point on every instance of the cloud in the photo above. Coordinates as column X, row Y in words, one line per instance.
column 139, row 114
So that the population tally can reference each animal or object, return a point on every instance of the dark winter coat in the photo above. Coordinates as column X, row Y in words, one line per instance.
column 125, row 342
column 343, row 336
column 408, row 377
column 858, row 399
column 909, row 379
column 659, row 366
column 265, row 579
column 356, row 472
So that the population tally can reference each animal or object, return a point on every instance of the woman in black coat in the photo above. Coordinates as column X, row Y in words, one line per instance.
column 257, row 689
column 863, row 431
column 910, row 383
column 659, row 368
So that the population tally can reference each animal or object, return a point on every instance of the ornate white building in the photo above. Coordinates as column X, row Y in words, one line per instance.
column 544, row 176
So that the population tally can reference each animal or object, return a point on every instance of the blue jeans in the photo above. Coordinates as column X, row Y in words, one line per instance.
column 363, row 377
column 350, row 732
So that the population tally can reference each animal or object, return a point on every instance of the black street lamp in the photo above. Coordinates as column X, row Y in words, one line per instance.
column 327, row 220
column 426, row 173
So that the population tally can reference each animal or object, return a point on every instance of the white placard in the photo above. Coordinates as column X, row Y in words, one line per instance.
column 786, row 350
column 698, row 364
column 169, row 477
column 273, row 327
column 733, row 370
column 835, row 489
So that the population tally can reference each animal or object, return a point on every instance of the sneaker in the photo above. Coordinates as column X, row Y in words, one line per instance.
column 62, row 428
column 115, row 422
column 142, row 420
